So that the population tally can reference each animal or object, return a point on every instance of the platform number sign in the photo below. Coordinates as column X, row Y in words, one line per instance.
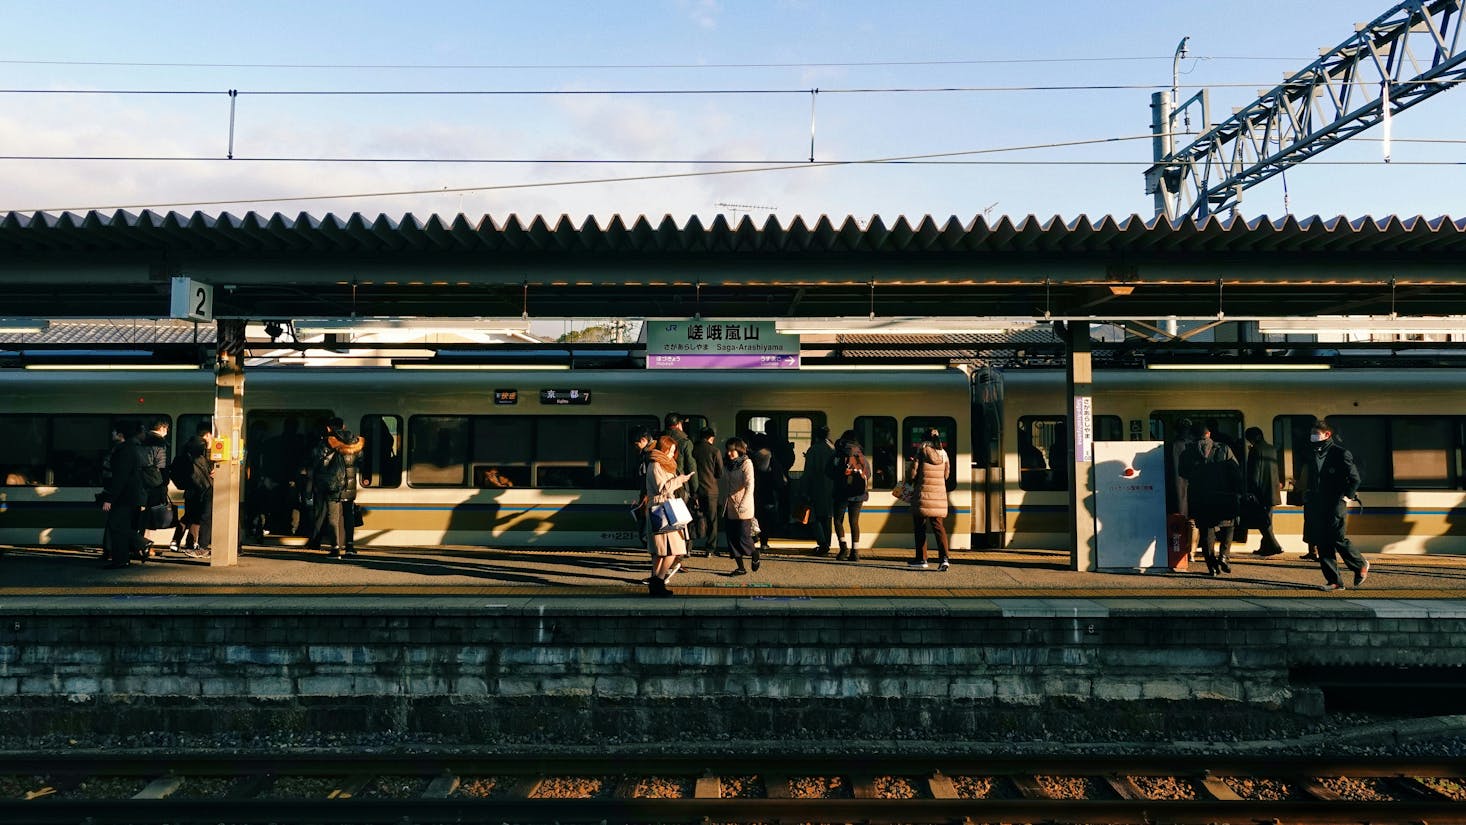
column 191, row 300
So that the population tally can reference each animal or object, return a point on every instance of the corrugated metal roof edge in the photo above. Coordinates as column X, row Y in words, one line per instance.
column 542, row 226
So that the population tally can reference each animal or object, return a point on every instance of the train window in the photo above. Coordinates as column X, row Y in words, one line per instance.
column 1403, row 452
column 188, row 425
column 1290, row 438
column 786, row 434
column 380, row 463
column 692, row 424
column 1400, row 452
column 615, row 455
column 437, row 450
column 915, row 429
column 800, row 435
column 78, row 445
column 1422, row 453
column 552, row 451
column 877, row 436
column 1043, row 450
column 1109, row 428
column 60, row 450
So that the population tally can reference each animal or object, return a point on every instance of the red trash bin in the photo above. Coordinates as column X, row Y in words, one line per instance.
column 1180, row 538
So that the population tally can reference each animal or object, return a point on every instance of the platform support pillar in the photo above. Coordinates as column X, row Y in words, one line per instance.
column 228, row 424
column 1079, row 375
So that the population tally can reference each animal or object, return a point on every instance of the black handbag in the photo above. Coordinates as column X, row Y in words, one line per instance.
column 159, row 516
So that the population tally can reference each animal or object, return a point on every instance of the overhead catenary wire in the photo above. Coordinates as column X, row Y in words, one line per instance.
column 991, row 61
column 931, row 160
column 783, row 90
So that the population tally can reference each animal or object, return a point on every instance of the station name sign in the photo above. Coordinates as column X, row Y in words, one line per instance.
column 720, row 344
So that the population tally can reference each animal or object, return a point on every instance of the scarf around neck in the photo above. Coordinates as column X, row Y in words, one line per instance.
column 664, row 461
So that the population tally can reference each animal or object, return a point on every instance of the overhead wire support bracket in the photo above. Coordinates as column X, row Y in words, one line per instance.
column 1413, row 51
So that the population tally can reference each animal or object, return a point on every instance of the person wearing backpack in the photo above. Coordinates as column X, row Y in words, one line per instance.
column 928, row 471
column 850, row 474
column 819, row 488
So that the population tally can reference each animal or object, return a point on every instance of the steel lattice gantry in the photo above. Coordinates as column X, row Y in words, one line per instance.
column 1409, row 53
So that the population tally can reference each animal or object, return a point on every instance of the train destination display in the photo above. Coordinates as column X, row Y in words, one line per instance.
column 721, row 344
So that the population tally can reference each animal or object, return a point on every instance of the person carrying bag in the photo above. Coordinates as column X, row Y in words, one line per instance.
column 667, row 536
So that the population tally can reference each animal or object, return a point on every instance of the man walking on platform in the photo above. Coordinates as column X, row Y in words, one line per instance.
column 1329, row 479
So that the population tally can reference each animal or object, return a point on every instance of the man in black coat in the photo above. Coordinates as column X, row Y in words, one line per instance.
column 333, row 475
column 1214, row 491
column 122, row 501
column 1329, row 479
column 1262, row 492
column 709, row 463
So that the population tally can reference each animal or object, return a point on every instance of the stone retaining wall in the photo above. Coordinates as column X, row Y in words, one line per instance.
column 583, row 674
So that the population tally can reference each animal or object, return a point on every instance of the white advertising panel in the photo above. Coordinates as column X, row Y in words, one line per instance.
column 1130, row 505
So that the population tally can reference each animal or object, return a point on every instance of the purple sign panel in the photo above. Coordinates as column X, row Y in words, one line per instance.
column 745, row 361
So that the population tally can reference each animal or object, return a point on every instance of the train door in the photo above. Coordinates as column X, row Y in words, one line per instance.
column 1169, row 426
column 786, row 436
column 277, row 444
column 989, row 516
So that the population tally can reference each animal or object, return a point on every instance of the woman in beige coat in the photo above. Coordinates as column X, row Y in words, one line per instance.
column 662, row 483
column 928, row 471
column 737, row 495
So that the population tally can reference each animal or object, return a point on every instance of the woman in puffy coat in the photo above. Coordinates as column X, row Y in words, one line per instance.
column 738, row 504
column 928, row 471
column 662, row 483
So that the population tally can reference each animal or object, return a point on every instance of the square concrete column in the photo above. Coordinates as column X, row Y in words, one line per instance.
column 1078, row 375
column 228, row 424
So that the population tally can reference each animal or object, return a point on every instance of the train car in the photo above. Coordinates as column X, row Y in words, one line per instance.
column 1406, row 429
column 511, row 458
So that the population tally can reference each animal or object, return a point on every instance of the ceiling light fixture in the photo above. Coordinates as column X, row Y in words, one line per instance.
column 1363, row 325
column 900, row 325
column 424, row 326
column 23, row 325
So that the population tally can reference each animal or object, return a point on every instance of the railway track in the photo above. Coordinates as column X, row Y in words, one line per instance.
column 935, row 789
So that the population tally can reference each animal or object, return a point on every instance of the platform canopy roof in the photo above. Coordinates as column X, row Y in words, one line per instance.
column 274, row 266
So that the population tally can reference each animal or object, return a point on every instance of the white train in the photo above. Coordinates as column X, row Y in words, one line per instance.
column 438, row 443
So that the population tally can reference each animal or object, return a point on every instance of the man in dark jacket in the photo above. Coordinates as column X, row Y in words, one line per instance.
column 709, row 470
column 333, row 476
column 198, row 493
column 1329, row 479
column 1261, row 492
column 819, row 487
column 155, row 473
column 1214, row 491
column 122, row 501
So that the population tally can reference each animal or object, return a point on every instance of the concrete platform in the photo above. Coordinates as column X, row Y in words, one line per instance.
column 787, row 571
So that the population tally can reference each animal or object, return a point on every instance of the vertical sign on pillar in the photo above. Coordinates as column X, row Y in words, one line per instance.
column 1084, row 427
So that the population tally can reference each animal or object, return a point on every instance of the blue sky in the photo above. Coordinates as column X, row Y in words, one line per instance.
column 550, row 43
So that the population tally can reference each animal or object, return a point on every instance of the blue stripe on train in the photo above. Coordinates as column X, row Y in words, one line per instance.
column 1367, row 511
column 373, row 506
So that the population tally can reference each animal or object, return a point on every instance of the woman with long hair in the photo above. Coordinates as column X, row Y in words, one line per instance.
column 662, row 483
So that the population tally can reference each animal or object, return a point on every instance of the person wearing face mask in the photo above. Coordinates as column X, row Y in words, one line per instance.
column 1214, row 480
column 1329, row 478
